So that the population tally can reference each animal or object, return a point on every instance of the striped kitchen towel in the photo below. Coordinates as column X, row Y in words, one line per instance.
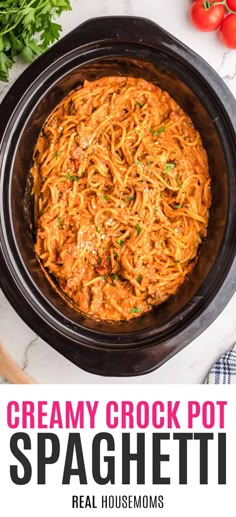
column 224, row 370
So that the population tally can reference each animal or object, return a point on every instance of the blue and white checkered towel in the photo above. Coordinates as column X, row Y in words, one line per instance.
column 224, row 370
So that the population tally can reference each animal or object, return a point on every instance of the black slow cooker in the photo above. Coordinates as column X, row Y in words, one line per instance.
column 140, row 48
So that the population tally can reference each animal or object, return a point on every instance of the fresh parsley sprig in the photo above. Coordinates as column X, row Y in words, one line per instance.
column 27, row 29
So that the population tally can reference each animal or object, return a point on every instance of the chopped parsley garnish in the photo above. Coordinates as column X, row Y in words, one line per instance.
column 59, row 221
column 116, row 254
column 138, row 229
column 98, row 228
column 139, row 279
column 108, row 258
column 178, row 182
column 160, row 194
column 139, row 104
column 131, row 198
column 103, row 277
column 157, row 208
column 177, row 261
column 138, row 162
column 178, row 206
column 120, row 242
column 169, row 166
column 57, row 154
column 134, row 310
column 161, row 130
column 113, row 277
column 148, row 162
column 155, row 133
column 106, row 198
column 74, row 178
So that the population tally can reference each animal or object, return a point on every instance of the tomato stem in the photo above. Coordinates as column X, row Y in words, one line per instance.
column 208, row 4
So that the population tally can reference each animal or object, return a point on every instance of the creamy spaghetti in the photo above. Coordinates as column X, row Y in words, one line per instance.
column 122, row 197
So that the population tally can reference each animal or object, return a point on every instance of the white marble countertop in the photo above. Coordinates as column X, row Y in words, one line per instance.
column 192, row 364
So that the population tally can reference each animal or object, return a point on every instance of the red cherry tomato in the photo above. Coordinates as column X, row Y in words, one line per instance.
column 228, row 31
column 231, row 4
column 206, row 19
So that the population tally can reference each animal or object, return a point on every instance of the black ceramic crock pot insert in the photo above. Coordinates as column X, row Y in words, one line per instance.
column 123, row 46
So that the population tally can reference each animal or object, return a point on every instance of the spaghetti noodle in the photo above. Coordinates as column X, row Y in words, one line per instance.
column 122, row 197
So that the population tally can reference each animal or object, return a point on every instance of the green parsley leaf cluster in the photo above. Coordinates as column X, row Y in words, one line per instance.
column 27, row 29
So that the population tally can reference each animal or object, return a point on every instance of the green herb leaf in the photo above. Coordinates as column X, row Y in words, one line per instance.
column 139, row 279
column 29, row 19
column 59, row 221
column 98, row 228
column 138, row 229
column 106, row 198
column 75, row 178
column 148, row 162
column 113, row 277
column 108, row 258
column 16, row 44
column 134, row 310
column 5, row 64
column 28, row 52
column 51, row 34
column 131, row 198
column 169, row 166
column 68, row 177
column 177, row 261
column 178, row 182
column 20, row 22
column 161, row 130
column 103, row 277
column 6, row 42
column 138, row 162
column 178, row 206
column 120, row 242
column 139, row 104
column 57, row 155
column 116, row 254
